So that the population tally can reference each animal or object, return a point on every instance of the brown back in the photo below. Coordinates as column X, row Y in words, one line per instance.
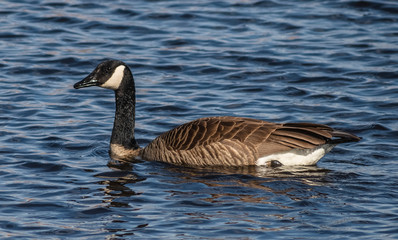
column 234, row 141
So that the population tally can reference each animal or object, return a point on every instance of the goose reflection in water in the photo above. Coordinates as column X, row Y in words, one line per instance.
column 254, row 178
column 191, row 192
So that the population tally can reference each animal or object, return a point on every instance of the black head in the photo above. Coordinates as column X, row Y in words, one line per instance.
column 108, row 74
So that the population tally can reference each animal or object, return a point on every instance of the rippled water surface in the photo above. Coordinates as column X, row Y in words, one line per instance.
column 330, row 62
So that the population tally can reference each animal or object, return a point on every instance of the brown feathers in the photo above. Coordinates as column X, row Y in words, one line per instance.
column 235, row 141
column 212, row 141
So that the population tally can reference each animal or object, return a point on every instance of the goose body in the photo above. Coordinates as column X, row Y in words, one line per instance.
column 211, row 141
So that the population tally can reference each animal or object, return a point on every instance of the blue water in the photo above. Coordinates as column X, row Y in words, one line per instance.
column 330, row 62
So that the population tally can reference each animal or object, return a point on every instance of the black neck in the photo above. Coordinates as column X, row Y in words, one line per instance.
column 123, row 126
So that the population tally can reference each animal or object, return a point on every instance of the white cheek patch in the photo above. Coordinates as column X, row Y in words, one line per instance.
column 114, row 81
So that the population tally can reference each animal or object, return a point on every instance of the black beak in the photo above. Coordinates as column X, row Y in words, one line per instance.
column 89, row 81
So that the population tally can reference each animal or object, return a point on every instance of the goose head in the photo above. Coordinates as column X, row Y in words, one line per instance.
column 116, row 75
column 110, row 74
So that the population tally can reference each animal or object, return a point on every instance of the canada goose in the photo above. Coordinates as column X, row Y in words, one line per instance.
column 211, row 141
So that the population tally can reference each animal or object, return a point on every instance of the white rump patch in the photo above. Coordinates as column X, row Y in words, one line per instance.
column 114, row 81
column 297, row 156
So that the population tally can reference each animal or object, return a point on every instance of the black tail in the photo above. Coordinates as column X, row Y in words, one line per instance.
column 343, row 137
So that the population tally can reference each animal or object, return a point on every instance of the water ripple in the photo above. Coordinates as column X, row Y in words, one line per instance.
column 331, row 62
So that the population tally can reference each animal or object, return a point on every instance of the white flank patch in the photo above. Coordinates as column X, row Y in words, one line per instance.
column 114, row 81
column 297, row 156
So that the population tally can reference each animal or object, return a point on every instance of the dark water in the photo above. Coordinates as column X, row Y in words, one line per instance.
column 330, row 62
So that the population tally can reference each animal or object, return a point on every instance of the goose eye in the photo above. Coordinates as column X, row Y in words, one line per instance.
column 106, row 70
